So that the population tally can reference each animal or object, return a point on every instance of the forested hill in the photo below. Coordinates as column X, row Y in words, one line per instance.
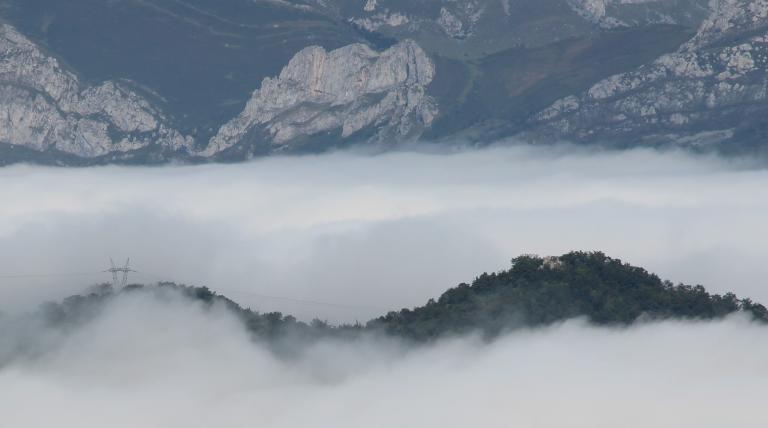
column 535, row 291
column 538, row 291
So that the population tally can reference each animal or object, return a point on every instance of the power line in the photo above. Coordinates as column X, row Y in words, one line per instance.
column 150, row 275
column 114, row 270
column 48, row 275
column 287, row 299
column 120, row 281
column 309, row 302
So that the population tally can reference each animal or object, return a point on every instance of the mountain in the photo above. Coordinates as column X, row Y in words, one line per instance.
column 535, row 291
column 147, row 81
column 539, row 291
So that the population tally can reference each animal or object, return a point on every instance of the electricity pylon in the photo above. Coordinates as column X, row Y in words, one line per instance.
column 119, row 282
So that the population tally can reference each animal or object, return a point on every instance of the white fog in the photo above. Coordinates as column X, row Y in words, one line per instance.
column 346, row 237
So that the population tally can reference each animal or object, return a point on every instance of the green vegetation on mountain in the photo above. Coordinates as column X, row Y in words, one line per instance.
column 539, row 291
column 536, row 291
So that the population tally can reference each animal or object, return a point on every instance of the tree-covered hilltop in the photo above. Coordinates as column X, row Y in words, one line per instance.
column 272, row 326
column 535, row 291
column 542, row 290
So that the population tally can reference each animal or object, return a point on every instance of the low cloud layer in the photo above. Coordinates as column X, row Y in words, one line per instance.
column 153, row 363
column 346, row 237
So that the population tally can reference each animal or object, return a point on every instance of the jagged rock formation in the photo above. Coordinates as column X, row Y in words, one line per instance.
column 729, row 18
column 626, row 13
column 683, row 72
column 702, row 94
column 346, row 90
column 465, row 28
column 349, row 90
column 474, row 28
column 45, row 107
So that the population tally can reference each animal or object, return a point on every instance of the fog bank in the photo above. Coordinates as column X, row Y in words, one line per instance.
column 153, row 363
column 372, row 233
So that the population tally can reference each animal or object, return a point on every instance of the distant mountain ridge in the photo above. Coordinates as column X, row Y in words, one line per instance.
column 149, row 81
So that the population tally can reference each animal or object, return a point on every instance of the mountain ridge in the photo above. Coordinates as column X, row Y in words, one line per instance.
column 684, row 73
column 534, row 292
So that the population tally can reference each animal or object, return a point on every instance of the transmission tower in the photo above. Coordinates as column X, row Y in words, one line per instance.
column 117, row 280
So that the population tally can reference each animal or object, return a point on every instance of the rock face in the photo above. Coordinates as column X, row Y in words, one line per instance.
column 352, row 92
column 46, row 108
column 729, row 18
column 627, row 13
column 705, row 93
column 683, row 72
column 346, row 91
column 474, row 28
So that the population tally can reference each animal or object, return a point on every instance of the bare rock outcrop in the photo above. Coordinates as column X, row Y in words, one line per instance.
column 348, row 91
column 729, row 17
column 345, row 90
column 44, row 107
column 700, row 94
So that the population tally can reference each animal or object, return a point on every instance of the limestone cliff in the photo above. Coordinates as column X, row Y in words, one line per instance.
column 226, row 83
column 45, row 107
column 704, row 93
column 346, row 91
column 349, row 91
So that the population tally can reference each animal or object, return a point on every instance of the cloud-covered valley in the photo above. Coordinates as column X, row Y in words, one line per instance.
column 373, row 233
column 170, row 363
column 346, row 237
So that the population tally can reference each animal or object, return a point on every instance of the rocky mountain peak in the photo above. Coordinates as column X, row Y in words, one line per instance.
column 22, row 63
column 308, row 75
column 46, row 108
column 344, row 91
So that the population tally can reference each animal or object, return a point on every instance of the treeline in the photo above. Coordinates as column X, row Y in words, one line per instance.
column 538, row 291
column 270, row 326
column 535, row 291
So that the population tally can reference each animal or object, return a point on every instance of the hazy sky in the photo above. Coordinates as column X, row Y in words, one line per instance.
column 151, row 363
column 373, row 233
